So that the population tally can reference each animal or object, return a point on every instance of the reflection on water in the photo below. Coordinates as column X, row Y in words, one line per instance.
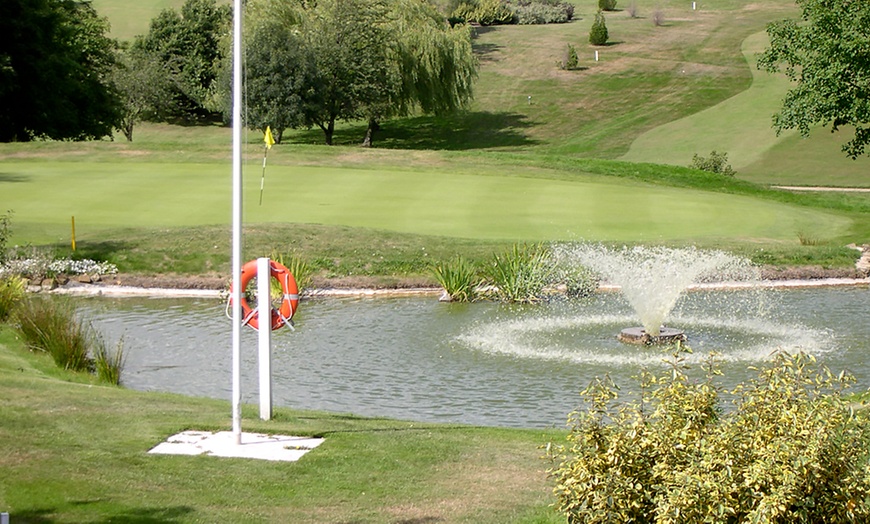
column 488, row 364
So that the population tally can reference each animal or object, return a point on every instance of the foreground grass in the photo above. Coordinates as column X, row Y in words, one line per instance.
column 75, row 452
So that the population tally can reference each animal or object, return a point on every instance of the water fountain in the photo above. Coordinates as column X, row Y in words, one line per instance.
column 652, row 279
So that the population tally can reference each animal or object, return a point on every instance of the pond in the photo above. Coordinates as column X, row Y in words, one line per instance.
column 483, row 363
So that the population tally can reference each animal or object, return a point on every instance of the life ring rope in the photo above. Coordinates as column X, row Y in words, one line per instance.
column 280, row 316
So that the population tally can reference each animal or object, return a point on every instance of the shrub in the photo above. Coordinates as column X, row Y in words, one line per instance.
column 459, row 279
column 484, row 12
column 36, row 264
column 791, row 450
column 607, row 5
column 570, row 60
column 632, row 9
column 658, row 18
column 598, row 33
column 521, row 274
column 11, row 293
column 541, row 12
column 715, row 163
column 5, row 233
column 51, row 326
column 579, row 281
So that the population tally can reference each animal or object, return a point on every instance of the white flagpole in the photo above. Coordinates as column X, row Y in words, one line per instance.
column 237, row 220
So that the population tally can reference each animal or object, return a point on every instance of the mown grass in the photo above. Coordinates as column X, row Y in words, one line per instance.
column 75, row 451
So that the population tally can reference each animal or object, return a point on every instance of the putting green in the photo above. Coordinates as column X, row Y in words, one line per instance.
column 45, row 195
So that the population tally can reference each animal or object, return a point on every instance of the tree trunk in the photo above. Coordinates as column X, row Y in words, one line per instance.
column 328, row 130
column 127, row 129
column 370, row 131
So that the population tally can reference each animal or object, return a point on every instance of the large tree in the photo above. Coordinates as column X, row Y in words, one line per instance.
column 432, row 66
column 55, row 62
column 827, row 53
column 188, row 44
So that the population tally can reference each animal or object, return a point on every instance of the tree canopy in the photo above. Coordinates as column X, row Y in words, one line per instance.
column 827, row 54
column 312, row 64
column 55, row 62
column 189, row 45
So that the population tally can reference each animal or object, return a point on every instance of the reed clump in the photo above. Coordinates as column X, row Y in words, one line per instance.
column 51, row 326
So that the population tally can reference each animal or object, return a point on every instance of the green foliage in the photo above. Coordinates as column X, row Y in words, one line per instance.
column 607, row 5
column 570, row 60
column 54, row 65
column 715, row 163
column 188, row 44
column 51, row 326
column 521, row 274
column 11, row 293
column 283, row 88
column 598, row 33
column 541, row 12
column 145, row 88
column 5, row 233
column 791, row 450
column 826, row 54
column 459, row 279
column 301, row 270
column 484, row 12
column 355, row 59
column 579, row 281
column 108, row 364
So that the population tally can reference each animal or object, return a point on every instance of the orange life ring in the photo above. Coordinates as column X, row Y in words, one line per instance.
column 289, row 302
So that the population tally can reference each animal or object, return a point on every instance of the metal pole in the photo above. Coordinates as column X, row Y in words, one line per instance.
column 237, row 220
column 264, row 313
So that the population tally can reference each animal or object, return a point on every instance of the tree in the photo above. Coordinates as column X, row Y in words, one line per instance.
column 145, row 89
column 349, row 42
column 55, row 59
column 433, row 63
column 188, row 43
column 598, row 33
column 828, row 55
column 283, row 89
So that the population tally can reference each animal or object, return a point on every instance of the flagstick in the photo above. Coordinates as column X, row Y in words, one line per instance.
column 263, row 177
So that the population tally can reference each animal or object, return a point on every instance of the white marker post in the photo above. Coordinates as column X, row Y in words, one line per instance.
column 596, row 55
column 264, row 335
column 693, row 6
column 237, row 222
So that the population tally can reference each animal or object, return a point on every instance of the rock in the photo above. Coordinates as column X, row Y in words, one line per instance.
column 84, row 279
column 48, row 284
column 62, row 280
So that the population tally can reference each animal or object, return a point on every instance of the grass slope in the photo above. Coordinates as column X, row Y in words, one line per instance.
column 75, row 452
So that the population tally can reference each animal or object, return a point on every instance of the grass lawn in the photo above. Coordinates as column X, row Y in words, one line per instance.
column 75, row 452
column 103, row 195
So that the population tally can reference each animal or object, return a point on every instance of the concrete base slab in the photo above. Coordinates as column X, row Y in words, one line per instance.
column 223, row 444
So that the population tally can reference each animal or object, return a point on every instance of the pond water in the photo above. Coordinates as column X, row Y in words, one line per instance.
column 483, row 363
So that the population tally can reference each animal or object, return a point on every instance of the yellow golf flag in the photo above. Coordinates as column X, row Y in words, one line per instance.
column 268, row 138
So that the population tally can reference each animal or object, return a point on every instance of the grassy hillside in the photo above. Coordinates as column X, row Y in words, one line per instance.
column 653, row 96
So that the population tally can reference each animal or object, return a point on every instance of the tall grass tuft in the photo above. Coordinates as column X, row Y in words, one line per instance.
column 11, row 293
column 108, row 364
column 522, row 273
column 459, row 279
column 51, row 326
column 299, row 268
